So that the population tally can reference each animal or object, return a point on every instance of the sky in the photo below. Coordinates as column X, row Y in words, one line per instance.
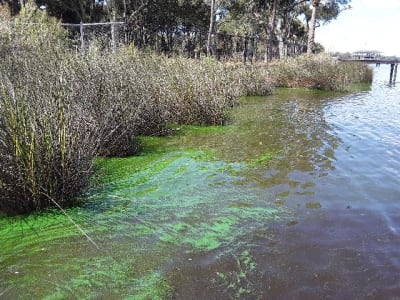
column 368, row 25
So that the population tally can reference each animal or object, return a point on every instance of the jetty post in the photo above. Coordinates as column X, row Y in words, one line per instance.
column 375, row 57
column 393, row 72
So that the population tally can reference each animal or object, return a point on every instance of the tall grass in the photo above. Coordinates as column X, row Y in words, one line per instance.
column 46, row 143
column 318, row 71
column 59, row 109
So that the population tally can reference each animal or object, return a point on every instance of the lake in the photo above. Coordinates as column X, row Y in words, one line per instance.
column 297, row 197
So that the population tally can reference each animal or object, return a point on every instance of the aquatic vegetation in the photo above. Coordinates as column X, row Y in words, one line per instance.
column 237, row 282
column 138, row 219
column 313, row 205
column 262, row 159
column 319, row 71
column 183, row 195
column 60, row 110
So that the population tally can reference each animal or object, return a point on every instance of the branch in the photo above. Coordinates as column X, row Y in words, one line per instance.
column 136, row 11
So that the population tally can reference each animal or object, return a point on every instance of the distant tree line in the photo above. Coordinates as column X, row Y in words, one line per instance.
column 203, row 22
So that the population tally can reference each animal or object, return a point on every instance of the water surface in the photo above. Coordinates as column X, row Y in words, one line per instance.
column 296, row 198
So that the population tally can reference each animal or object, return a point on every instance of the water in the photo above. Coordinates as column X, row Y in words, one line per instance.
column 297, row 198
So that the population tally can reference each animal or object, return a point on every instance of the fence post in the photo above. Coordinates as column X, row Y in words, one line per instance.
column 81, row 34
column 113, row 43
column 125, row 32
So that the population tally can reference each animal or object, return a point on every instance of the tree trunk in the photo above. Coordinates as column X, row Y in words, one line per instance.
column 211, row 29
column 311, row 30
column 271, row 33
column 82, row 12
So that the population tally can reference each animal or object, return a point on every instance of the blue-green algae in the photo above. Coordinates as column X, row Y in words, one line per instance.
column 201, row 191
column 143, row 211
column 237, row 283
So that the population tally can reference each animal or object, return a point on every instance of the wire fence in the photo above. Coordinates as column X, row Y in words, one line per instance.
column 107, row 35
column 177, row 41
column 191, row 44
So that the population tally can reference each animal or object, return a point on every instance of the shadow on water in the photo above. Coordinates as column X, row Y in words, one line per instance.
column 279, row 204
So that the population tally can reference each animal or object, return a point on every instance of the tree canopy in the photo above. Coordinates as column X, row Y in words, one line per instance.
column 273, row 20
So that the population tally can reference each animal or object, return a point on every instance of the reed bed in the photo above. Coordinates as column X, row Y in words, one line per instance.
column 319, row 72
column 60, row 109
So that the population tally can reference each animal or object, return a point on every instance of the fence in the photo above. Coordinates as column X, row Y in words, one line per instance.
column 106, row 34
column 191, row 44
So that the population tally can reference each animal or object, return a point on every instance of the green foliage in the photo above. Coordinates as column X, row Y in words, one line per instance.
column 253, row 18
column 330, row 10
column 177, row 26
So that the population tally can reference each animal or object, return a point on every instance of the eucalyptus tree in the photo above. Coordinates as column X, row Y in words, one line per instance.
column 254, row 18
column 327, row 10
column 291, row 27
column 162, row 22
column 311, row 30
column 217, row 7
column 280, row 19
column 211, row 27
column 271, row 30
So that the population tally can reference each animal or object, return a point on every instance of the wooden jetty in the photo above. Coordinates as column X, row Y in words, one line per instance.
column 374, row 57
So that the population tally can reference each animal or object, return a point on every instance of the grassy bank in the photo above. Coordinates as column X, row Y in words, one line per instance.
column 319, row 72
column 60, row 109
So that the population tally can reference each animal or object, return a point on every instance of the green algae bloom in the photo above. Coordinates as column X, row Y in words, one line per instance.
column 186, row 195
column 145, row 209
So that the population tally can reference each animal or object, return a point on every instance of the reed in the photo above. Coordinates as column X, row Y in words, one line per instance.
column 59, row 109
column 318, row 71
column 46, row 149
